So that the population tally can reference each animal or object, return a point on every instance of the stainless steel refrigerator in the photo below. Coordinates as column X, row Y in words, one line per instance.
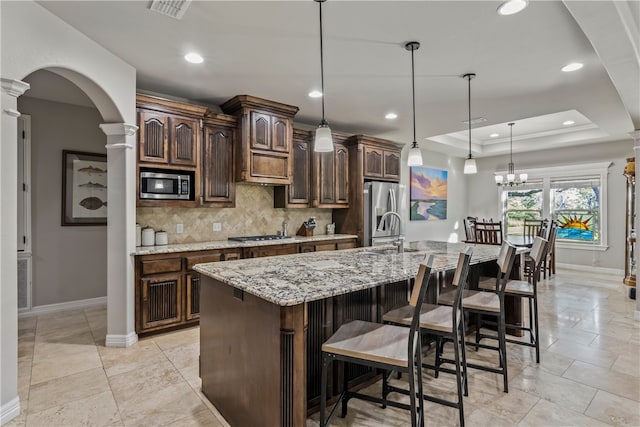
column 380, row 198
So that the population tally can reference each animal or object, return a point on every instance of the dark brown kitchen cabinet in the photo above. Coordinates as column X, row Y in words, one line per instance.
column 153, row 144
column 327, row 245
column 331, row 177
column 381, row 163
column 298, row 193
column 270, row 250
column 264, row 133
column 192, row 298
column 218, row 162
column 161, row 301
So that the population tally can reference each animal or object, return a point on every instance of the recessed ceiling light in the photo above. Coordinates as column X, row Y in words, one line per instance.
column 572, row 67
column 494, row 135
column 315, row 94
column 512, row 7
column 194, row 58
column 391, row 116
column 568, row 122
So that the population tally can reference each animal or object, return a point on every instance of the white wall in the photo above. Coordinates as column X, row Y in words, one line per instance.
column 451, row 229
column 32, row 39
column 69, row 263
column 483, row 194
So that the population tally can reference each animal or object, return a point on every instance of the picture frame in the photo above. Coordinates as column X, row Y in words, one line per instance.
column 428, row 198
column 84, row 188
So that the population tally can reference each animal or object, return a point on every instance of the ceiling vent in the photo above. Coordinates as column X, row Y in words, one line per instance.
column 475, row 121
column 172, row 8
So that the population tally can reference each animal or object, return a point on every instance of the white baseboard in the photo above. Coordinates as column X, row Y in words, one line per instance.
column 9, row 410
column 616, row 271
column 52, row 308
column 121, row 340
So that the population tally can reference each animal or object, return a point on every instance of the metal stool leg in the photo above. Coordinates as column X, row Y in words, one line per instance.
column 323, row 390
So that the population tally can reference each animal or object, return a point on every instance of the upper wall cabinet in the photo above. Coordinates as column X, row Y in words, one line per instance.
column 381, row 158
column 264, row 133
column 298, row 193
column 218, row 161
column 331, row 176
column 169, row 132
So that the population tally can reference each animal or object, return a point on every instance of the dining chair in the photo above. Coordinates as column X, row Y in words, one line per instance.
column 526, row 289
column 443, row 322
column 533, row 227
column 470, row 228
column 489, row 232
column 549, row 265
column 385, row 347
column 489, row 304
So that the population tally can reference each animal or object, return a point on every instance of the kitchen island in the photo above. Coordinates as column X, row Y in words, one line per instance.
column 263, row 322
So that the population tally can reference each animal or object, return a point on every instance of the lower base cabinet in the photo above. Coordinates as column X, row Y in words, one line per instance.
column 168, row 289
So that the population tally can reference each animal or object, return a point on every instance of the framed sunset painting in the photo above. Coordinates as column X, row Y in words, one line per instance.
column 428, row 199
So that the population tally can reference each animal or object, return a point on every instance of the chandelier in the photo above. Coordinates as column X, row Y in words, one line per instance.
column 511, row 175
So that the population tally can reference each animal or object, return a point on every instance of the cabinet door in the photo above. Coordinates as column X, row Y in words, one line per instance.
column 184, row 141
column 217, row 168
column 372, row 162
column 260, row 131
column 153, row 137
column 327, row 178
column 342, row 174
column 193, row 296
column 161, row 300
column 392, row 165
column 231, row 256
column 280, row 133
column 299, row 188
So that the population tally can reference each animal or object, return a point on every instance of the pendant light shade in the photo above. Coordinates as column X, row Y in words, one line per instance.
column 470, row 163
column 415, row 153
column 323, row 142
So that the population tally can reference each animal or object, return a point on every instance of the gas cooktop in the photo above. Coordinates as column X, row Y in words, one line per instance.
column 259, row 238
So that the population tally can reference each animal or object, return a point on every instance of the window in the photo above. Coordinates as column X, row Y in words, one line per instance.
column 522, row 204
column 574, row 196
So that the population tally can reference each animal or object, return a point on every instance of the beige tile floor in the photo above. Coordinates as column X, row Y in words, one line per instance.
column 589, row 373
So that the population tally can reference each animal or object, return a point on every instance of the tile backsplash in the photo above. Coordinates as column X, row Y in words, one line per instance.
column 254, row 214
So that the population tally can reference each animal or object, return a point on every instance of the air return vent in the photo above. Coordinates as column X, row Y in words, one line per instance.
column 172, row 8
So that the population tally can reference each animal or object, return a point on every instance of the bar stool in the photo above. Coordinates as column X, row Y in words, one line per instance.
column 489, row 304
column 386, row 347
column 529, row 290
column 444, row 322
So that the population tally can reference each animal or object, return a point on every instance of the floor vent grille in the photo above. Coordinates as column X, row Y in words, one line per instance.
column 172, row 8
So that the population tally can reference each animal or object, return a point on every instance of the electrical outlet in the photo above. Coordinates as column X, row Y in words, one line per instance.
column 179, row 228
column 217, row 226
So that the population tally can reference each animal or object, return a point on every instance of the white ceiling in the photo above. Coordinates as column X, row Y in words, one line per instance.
column 271, row 50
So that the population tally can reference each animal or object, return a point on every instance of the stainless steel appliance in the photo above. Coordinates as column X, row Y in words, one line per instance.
column 385, row 209
column 165, row 186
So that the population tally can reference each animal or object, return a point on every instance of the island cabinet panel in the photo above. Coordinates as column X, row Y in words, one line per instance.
column 217, row 167
column 264, row 133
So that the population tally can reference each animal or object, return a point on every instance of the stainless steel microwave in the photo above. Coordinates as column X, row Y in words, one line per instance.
column 165, row 186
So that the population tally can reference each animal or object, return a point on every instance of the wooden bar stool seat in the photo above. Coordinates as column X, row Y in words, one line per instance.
column 380, row 346
column 516, row 287
column 443, row 322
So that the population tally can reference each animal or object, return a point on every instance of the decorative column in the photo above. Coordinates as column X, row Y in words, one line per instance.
column 121, row 219
column 9, row 400
column 636, row 149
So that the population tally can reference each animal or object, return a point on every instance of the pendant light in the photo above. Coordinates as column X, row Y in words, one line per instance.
column 511, row 174
column 470, row 163
column 323, row 142
column 415, row 154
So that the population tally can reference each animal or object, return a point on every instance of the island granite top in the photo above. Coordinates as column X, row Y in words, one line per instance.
column 287, row 280
column 230, row 244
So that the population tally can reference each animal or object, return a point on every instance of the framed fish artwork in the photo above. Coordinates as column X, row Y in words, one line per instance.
column 84, row 188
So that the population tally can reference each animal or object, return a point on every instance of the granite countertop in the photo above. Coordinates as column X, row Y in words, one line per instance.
column 294, row 279
column 230, row 244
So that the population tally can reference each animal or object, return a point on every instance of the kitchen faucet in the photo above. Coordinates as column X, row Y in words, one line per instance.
column 399, row 243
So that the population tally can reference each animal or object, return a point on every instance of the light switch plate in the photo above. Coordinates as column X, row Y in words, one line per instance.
column 217, row 226
column 179, row 228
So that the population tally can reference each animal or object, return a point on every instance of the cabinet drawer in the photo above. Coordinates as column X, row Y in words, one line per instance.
column 165, row 265
column 325, row 247
column 200, row 259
